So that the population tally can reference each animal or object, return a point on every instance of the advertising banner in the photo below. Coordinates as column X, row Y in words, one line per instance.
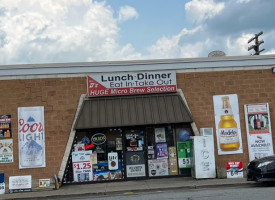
column 234, row 169
column 6, row 151
column 101, row 172
column 227, row 120
column 160, row 135
column 162, row 151
column 135, row 164
column 20, row 183
column 158, row 167
column 82, row 167
column 131, row 83
column 31, row 137
column 5, row 126
column 258, row 129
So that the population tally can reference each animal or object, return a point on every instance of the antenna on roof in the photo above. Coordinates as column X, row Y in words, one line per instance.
column 257, row 44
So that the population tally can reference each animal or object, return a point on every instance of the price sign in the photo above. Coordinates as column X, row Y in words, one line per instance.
column 82, row 171
column 82, row 167
column 184, row 162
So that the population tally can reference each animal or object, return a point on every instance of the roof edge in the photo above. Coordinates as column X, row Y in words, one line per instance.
column 52, row 70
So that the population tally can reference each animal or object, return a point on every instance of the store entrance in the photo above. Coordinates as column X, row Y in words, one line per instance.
column 129, row 153
column 135, row 154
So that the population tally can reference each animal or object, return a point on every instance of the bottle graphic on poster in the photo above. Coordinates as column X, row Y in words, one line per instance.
column 258, row 122
column 261, row 120
column 228, row 129
column 255, row 122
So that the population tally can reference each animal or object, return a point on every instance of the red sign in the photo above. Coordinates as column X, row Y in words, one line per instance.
column 234, row 169
column 131, row 83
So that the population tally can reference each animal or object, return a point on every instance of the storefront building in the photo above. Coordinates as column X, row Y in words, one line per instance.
column 111, row 121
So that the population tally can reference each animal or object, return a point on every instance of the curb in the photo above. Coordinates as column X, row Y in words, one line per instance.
column 131, row 191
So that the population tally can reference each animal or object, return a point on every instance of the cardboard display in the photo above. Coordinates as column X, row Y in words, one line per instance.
column 173, row 166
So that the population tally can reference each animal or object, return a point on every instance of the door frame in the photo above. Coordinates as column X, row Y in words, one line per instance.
column 144, row 151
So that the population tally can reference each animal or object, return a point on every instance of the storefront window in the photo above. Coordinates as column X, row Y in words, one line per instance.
column 103, row 150
column 127, row 153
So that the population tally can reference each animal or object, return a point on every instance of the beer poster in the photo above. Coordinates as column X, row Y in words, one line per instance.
column 258, row 129
column 227, row 120
column 6, row 151
column 5, row 126
column 31, row 137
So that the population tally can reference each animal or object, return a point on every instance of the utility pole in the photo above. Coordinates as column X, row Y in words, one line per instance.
column 257, row 44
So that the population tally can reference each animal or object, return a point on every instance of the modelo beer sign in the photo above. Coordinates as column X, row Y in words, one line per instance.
column 131, row 83
column 98, row 139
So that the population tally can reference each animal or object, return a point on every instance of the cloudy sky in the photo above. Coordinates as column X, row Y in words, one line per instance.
column 56, row 31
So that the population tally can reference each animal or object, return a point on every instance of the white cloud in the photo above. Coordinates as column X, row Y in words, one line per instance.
column 238, row 46
column 199, row 10
column 126, row 13
column 86, row 30
column 59, row 31
column 171, row 47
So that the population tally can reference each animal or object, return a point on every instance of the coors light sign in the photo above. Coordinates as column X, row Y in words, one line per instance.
column 31, row 137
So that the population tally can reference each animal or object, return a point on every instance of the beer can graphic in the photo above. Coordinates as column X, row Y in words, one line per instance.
column 31, row 137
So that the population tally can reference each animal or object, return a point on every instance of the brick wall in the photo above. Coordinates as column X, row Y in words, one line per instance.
column 60, row 97
column 256, row 86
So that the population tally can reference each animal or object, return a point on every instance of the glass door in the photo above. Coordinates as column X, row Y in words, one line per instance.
column 159, row 141
column 135, row 154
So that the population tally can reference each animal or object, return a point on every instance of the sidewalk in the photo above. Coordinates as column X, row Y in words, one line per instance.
column 126, row 186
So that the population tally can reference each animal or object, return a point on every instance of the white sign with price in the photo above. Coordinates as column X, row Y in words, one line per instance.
column 184, row 162
column 82, row 167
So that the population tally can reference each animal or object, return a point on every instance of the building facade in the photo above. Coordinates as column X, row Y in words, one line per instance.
column 123, row 128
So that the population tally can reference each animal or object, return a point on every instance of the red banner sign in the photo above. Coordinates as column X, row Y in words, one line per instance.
column 131, row 83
